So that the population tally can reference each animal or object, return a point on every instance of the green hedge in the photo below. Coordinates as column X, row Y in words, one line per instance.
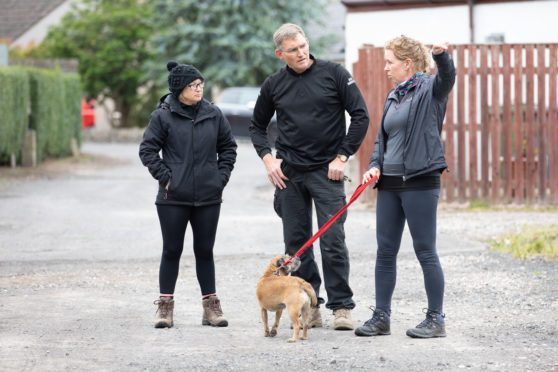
column 73, row 94
column 14, row 106
column 55, row 102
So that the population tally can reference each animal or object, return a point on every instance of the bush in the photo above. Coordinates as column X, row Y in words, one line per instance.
column 55, row 100
column 72, row 98
column 14, row 108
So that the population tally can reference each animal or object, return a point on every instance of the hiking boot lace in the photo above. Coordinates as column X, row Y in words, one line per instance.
column 162, row 307
column 430, row 318
column 426, row 322
column 215, row 306
column 342, row 313
column 375, row 316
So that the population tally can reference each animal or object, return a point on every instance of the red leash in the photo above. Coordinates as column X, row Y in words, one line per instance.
column 326, row 226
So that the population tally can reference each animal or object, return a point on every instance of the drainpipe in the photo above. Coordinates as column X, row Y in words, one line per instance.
column 471, row 4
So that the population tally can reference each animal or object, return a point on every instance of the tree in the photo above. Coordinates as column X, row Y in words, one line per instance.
column 109, row 38
column 229, row 41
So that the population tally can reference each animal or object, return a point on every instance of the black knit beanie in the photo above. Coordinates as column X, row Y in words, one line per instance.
column 180, row 76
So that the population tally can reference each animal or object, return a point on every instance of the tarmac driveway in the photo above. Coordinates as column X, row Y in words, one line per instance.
column 79, row 257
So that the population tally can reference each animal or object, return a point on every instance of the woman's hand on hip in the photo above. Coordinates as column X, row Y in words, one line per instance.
column 370, row 173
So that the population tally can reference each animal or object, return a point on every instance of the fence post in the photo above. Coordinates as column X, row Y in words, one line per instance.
column 541, row 123
column 530, row 172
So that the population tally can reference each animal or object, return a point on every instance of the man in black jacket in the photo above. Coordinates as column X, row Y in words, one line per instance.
column 310, row 97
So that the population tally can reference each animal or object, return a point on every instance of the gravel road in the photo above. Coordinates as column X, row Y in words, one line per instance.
column 80, row 251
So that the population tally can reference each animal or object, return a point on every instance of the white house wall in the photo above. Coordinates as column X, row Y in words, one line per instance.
column 38, row 32
column 519, row 22
column 522, row 22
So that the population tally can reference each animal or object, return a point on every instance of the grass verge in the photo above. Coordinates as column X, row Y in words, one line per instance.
column 531, row 241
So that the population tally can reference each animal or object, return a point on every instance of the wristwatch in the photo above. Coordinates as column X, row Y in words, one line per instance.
column 343, row 158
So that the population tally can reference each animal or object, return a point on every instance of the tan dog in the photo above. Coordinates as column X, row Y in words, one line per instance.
column 276, row 290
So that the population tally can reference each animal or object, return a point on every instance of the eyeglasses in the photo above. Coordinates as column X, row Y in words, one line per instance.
column 295, row 49
column 196, row 86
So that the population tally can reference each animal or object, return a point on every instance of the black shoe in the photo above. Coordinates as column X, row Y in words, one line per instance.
column 432, row 326
column 377, row 325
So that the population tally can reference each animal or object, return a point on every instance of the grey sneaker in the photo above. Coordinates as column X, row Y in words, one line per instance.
column 377, row 325
column 343, row 320
column 165, row 307
column 432, row 326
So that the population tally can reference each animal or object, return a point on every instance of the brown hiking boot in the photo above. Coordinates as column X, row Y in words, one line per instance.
column 343, row 320
column 212, row 313
column 315, row 320
column 165, row 307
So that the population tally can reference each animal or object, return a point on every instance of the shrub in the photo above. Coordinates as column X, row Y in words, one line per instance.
column 14, row 108
column 54, row 101
column 53, row 112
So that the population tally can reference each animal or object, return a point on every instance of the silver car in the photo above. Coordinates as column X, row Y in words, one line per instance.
column 237, row 104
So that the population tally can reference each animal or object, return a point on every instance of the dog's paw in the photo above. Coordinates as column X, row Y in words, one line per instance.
column 292, row 339
column 273, row 333
column 266, row 333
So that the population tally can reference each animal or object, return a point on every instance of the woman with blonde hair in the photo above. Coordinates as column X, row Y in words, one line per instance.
column 409, row 158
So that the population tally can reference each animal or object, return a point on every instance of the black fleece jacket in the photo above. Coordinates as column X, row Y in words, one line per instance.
column 310, row 111
column 198, row 152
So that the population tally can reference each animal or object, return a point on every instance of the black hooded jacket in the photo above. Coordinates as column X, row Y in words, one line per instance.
column 198, row 153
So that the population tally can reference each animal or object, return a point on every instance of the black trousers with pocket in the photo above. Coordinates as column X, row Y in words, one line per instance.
column 294, row 205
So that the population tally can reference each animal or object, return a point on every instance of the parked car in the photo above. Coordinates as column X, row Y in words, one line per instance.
column 237, row 104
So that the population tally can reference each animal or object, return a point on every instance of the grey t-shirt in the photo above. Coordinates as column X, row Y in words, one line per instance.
column 395, row 124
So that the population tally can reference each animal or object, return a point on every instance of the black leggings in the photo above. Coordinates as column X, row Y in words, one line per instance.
column 174, row 219
column 418, row 208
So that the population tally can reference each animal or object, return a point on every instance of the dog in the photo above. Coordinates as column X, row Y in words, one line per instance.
column 277, row 291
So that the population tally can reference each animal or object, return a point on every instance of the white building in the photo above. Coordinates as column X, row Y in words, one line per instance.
column 374, row 22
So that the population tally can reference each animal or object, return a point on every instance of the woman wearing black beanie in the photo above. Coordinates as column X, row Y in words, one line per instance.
column 198, row 155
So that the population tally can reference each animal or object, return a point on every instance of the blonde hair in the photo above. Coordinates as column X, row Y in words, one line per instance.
column 404, row 47
column 287, row 31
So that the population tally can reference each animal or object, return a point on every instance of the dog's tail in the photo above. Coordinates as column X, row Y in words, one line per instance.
column 310, row 292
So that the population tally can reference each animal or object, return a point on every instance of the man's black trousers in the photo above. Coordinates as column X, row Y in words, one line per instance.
column 294, row 205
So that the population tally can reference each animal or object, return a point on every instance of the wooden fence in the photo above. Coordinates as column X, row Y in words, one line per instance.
column 501, row 128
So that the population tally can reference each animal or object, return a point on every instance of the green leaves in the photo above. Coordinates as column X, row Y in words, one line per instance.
column 52, row 99
column 14, row 105
column 123, row 45
column 229, row 41
column 110, row 40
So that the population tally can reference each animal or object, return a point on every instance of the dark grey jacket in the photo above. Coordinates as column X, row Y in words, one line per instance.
column 198, row 155
column 423, row 151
